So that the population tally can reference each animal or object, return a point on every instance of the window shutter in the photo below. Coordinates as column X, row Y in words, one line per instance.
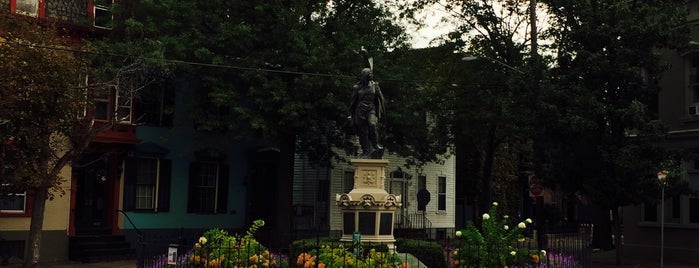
column 192, row 200
column 129, row 202
column 164, row 185
column 222, row 206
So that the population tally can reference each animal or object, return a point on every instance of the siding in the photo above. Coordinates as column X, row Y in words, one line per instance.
column 305, row 181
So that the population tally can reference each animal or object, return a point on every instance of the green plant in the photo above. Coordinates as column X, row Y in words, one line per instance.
column 216, row 248
column 495, row 243
column 341, row 256
column 429, row 253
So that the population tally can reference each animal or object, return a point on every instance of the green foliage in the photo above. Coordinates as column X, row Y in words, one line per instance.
column 216, row 248
column 428, row 252
column 496, row 244
column 40, row 100
column 600, row 108
column 340, row 256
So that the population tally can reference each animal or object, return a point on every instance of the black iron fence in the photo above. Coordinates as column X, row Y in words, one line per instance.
column 563, row 248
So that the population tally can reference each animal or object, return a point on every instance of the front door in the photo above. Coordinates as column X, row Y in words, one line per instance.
column 397, row 187
column 91, row 197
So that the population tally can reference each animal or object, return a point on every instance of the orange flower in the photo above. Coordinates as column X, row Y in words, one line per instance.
column 535, row 258
column 404, row 265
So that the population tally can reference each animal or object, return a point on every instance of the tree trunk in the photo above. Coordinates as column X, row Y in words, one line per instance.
column 36, row 227
column 284, row 188
column 602, row 231
column 616, row 228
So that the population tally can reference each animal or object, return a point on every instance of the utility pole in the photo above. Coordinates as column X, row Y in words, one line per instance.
column 535, row 69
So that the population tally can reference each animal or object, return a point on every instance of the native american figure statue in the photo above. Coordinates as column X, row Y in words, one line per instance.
column 367, row 108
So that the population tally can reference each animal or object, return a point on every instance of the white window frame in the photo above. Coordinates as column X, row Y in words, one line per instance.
column 442, row 193
column 101, row 8
column 156, row 184
column 14, row 195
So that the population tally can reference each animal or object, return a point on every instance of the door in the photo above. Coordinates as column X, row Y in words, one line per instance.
column 397, row 187
column 91, row 197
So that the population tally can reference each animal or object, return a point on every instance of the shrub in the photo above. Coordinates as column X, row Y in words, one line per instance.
column 429, row 253
column 216, row 248
column 494, row 244
column 341, row 256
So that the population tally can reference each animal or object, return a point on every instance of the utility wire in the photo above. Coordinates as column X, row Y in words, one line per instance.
column 224, row 66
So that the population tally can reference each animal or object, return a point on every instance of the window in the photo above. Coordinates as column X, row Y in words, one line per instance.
column 348, row 181
column 650, row 212
column 102, row 104
column 693, row 86
column 442, row 193
column 103, row 13
column 147, row 184
column 28, row 7
column 13, row 202
column 208, row 187
column 155, row 105
column 146, row 180
column 211, row 115
column 421, row 182
column 124, row 100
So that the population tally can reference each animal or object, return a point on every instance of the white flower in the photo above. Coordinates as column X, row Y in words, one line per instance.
column 521, row 239
column 495, row 204
column 458, row 233
column 521, row 225
column 506, row 216
column 506, row 227
column 513, row 253
column 543, row 253
column 486, row 216
column 528, row 220
column 202, row 240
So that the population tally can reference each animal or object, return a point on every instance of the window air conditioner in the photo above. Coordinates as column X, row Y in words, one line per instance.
column 693, row 110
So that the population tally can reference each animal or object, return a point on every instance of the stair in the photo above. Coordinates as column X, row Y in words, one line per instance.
column 99, row 248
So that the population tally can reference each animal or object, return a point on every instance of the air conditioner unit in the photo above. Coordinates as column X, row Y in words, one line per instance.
column 693, row 110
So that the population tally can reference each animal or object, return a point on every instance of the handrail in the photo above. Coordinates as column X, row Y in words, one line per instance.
column 129, row 219
column 141, row 241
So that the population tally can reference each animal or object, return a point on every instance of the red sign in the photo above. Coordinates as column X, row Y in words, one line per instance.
column 535, row 186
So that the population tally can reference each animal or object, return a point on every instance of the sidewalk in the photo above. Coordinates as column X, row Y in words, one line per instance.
column 608, row 259
column 605, row 259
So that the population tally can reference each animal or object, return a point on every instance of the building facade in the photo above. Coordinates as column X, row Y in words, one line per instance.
column 679, row 111
column 428, row 194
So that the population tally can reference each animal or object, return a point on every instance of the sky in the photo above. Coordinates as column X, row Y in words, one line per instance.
column 433, row 26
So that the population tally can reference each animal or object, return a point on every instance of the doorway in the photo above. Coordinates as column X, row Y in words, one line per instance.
column 91, row 195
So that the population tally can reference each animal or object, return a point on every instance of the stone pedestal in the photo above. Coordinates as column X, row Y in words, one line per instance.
column 368, row 208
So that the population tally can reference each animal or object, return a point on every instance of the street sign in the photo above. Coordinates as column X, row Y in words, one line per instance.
column 536, row 187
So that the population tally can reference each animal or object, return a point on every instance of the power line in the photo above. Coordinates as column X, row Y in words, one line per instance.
column 224, row 66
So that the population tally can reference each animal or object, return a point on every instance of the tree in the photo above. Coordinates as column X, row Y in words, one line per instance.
column 46, row 117
column 488, row 111
column 39, row 110
column 277, row 70
column 602, row 137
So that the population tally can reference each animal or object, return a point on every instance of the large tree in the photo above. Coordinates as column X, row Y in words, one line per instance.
column 40, row 101
column 487, row 100
column 602, row 134
column 277, row 70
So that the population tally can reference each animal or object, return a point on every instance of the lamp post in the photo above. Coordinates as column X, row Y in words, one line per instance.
column 661, row 178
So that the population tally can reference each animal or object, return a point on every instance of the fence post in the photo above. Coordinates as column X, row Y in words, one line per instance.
column 586, row 247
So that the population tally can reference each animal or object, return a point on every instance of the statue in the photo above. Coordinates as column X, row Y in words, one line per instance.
column 366, row 108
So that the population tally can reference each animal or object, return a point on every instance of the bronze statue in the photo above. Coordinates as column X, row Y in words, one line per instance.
column 366, row 109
